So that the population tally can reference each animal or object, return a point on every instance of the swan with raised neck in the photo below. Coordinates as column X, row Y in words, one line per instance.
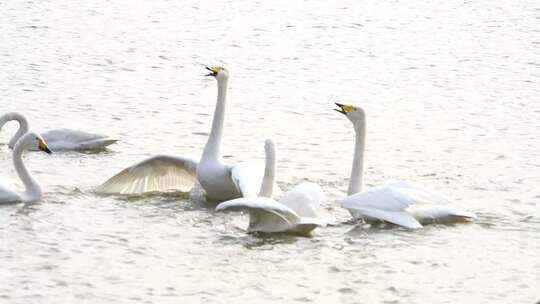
column 220, row 181
column 268, row 181
column 399, row 202
column 32, row 191
column 212, row 174
column 358, row 118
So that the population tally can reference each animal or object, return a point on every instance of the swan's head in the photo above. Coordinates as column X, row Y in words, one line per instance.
column 218, row 72
column 354, row 114
column 270, row 150
column 269, row 145
column 33, row 141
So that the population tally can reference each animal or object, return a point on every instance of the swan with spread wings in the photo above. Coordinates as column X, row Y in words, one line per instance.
column 219, row 180
column 295, row 212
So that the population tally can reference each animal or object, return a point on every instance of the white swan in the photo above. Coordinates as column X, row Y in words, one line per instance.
column 294, row 213
column 163, row 173
column 32, row 192
column 400, row 203
column 59, row 139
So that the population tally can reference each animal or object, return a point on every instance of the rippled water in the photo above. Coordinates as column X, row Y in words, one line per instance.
column 451, row 90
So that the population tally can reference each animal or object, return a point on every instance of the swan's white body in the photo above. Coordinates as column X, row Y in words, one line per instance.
column 401, row 203
column 294, row 213
column 165, row 173
column 59, row 139
column 32, row 190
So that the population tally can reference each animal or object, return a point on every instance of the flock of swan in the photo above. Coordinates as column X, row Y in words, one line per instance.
column 242, row 186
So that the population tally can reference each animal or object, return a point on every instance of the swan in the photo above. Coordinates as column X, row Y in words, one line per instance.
column 59, row 139
column 219, row 181
column 401, row 203
column 294, row 213
column 32, row 193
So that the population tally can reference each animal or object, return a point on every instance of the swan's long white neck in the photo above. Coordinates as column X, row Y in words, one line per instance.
column 356, row 182
column 32, row 188
column 269, row 170
column 212, row 148
column 23, row 126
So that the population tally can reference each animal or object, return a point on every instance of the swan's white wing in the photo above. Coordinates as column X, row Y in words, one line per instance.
column 155, row 174
column 382, row 197
column 419, row 194
column 383, row 203
column 305, row 199
column 97, row 144
column 427, row 206
column 439, row 214
column 265, row 214
column 69, row 135
column 401, row 218
column 247, row 177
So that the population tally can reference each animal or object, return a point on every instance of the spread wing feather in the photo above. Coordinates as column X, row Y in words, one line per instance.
column 266, row 215
column 156, row 174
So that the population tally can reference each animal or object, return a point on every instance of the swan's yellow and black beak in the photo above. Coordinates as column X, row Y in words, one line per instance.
column 213, row 71
column 343, row 108
column 43, row 146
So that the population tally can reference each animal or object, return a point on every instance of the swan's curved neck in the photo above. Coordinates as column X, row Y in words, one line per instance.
column 32, row 188
column 269, row 171
column 23, row 126
column 212, row 148
column 356, row 182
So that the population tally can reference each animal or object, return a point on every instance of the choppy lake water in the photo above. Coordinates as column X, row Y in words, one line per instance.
column 451, row 90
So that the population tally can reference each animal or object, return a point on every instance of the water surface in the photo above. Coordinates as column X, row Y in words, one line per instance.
column 451, row 91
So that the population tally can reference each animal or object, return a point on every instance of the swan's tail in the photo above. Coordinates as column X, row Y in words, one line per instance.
column 401, row 218
column 440, row 214
column 98, row 144
column 306, row 225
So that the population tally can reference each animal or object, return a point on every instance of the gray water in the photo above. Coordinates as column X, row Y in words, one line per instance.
column 451, row 92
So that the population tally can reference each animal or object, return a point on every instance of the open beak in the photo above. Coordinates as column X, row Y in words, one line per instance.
column 212, row 72
column 342, row 108
column 43, row 147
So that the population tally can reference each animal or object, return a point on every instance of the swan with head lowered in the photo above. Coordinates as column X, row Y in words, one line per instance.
column 294, row 213
column 220, row 181
column 402, row 203
column 32, row 191
column 59, row 139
